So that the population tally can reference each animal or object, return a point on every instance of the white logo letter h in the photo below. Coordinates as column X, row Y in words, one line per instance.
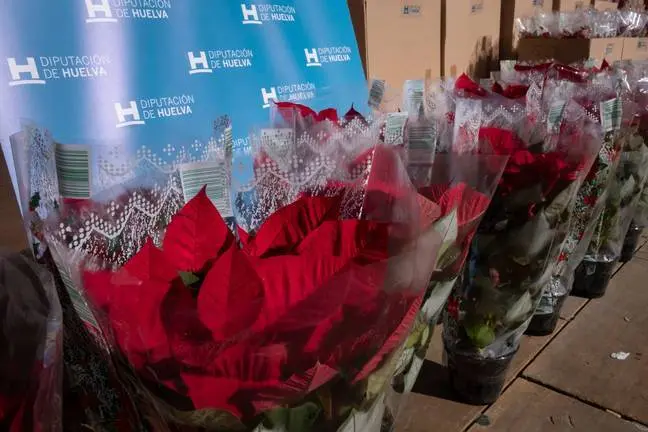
column 132, row 112
column 198, row 64
column 101, row 7
column 17, row 70
column 312, row 59
column 250, row 15
column 268, row 96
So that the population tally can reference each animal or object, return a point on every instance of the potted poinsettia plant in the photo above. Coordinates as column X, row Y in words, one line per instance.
column 593, row 275
column 591, row 197
column 640, row 219
column 461, row 187
column 292, row 326
column 589, row 205
column 509, row 261
column 296, row 317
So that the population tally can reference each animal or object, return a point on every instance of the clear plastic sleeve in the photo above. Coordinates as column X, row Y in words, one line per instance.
column 597, row 95
column 382, row 97
column 296, row 317
column 606, row 24
column 31, row 358
column 513, row 252
column 459, row 189
column 626, row 189
column 632, row 23
column 583, row 23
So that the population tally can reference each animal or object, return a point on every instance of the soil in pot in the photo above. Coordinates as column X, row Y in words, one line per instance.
column 592, row 278
column 476, row 380
column 544, row 324
column 630, row 243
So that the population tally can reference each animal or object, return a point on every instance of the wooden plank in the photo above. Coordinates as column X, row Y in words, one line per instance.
column 579, row 360
column 434, row 402
column 527, row 407
column 643, row 239
column 571, row 307
column 642, row 252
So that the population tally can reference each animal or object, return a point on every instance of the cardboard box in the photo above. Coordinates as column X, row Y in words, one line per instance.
column 571, row 5
column 511, row 10
column 603, row 5
column 398, row 40
column 571, row 50
column 635, row 48
column 471, row 42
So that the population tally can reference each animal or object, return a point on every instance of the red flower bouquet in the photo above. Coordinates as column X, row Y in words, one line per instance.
column 299, row 318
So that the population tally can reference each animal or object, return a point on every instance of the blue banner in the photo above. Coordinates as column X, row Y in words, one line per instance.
column 118, row 81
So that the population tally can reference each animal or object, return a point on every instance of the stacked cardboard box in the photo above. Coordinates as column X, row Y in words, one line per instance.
column 604, row 5
column 511, row 10
column 571, row 50
column 635, row 48
column 401, row 40
column 570, row 5
column 472, row 30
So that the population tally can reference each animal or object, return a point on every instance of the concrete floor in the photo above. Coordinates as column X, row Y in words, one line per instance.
column 564, row 382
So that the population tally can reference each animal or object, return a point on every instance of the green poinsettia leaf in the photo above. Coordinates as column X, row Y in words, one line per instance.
column 520, row 311
column 188, row 278
column 531, row 240
column 297, row 419
column 417, row 332
column 635, row 142
column 404, row 363
column 369, row 420
column 481, row 335
column 425, row 338
column 412, row 374
column 439, row 293
column 277, row 418
column 448, row 228
column 302, row 418
column 449, row 257
column 561, row 203
column 377, row 381
column 210, row 419
column 627, row 188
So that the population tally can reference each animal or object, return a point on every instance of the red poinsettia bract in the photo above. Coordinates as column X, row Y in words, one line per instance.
column 288, row 108
column 512, row 91
column 525, row 168
column 299, row 303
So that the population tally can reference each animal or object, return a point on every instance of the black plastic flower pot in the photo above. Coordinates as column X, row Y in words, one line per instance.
column 477, row 380
column 545, row 324
column 630, row 243
column 592, row 278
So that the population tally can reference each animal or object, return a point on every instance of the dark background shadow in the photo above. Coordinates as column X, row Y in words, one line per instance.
column 433, row 381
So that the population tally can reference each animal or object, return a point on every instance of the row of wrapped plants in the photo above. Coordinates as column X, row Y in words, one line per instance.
column 303, row 296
